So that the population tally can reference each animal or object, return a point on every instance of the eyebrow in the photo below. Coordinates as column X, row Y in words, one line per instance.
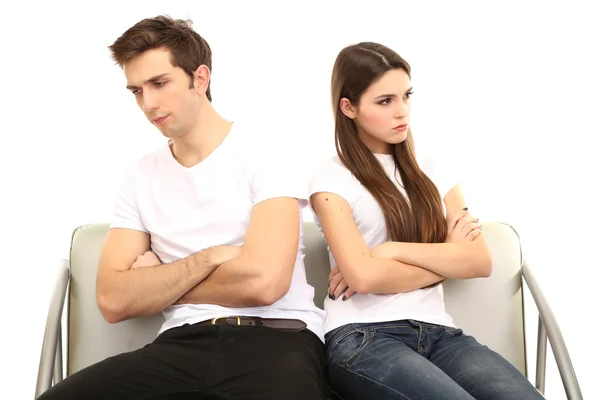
column 392, row 95
column 153, row 79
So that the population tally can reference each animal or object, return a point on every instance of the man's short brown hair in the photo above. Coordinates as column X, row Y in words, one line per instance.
column 188, row 49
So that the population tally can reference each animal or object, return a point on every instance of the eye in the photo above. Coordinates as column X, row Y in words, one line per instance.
column 136, row 92
column 385, row 101
column 407, row 95
column 159, row 84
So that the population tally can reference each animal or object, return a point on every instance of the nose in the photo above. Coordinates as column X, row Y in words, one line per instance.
column 401, row 110
column 149, row 102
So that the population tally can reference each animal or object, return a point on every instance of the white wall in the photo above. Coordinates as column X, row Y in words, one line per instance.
column 508, row 92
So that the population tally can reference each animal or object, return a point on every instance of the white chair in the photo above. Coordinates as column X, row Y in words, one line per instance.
column 490, row 309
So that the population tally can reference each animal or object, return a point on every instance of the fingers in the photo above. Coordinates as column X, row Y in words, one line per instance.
column 148, row 259
column 339, row 289
column 476, row 231
column 137, row 263
column 349, row 293
column 457, row 218
column 333, row 273
column 469, row 226
column 465, row 220
column 338, row 286
column 457, row 223
column 342, row 290
column 335, row 282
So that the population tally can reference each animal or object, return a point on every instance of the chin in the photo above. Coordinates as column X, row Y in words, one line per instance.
column 170, row 133
column 398, row 138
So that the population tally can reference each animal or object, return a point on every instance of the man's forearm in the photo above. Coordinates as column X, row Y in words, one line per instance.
column 452, row 260
column 235, row 283
column 146, row 291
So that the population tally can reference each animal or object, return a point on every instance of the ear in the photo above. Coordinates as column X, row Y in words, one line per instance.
column 201, row 79
column 347, row 108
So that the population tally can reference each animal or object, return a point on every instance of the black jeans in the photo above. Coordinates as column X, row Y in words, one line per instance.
column 207, row 362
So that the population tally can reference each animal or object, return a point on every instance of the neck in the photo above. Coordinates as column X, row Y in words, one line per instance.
column 205, row 136
column 374, row 145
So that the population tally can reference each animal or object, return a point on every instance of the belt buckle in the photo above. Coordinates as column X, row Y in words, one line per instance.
column 215, row 320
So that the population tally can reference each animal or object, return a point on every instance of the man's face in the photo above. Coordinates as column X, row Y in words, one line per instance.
column 163, row 92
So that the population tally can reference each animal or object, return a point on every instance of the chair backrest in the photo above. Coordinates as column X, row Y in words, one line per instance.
column 90, row 337
column 490, row 309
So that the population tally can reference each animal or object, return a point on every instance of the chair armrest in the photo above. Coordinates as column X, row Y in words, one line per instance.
column 549, row 328
column 52, row 334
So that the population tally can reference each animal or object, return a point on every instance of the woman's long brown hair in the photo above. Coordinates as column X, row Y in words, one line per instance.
column 421, row 218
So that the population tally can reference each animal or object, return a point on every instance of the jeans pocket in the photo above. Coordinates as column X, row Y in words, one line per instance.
column 347, row 347
column 453, row 331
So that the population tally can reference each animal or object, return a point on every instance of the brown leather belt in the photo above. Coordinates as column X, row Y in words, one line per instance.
column 278, row 323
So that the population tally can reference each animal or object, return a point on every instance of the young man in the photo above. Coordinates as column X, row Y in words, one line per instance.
column 207, row 230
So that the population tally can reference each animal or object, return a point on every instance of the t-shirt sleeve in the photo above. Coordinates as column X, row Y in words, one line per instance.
column 333, row 177
column 441, row 173
column 125, row 213
column 274, row 175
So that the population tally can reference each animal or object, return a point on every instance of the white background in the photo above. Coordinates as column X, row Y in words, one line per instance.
column 509, row 93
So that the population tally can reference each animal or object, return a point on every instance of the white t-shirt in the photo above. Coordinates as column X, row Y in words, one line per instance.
column 426, row 305
column 186, row 210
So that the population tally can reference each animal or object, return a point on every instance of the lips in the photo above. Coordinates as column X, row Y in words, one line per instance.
column 402, row 127
column 159, row 120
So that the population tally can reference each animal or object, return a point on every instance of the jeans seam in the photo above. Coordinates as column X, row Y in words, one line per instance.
column 342, row 337
column 361, row 376
column 368, row 335
column 378, row 327
column 212, row 362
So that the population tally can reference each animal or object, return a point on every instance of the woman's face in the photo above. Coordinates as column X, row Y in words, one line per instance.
column 382, row 115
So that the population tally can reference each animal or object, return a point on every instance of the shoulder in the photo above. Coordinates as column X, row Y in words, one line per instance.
column 332, row 176
column 146, row 168
column 332, row 170
column 255, row 143
column 270, row 167
column 440, row 170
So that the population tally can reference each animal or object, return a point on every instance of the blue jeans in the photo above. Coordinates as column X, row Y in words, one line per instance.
column 413, row 360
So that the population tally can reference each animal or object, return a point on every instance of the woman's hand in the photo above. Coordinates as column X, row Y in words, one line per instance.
column 463, row 227
column 337, row 285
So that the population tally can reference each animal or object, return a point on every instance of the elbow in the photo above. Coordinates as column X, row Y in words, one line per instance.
column 111, row 308
column 485, row 264
column 358, row 279
column 270, row 294
column 477, row 261
column 483, row 267
column 271, row 289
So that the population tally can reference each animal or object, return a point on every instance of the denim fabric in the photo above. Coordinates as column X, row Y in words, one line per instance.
column 414, row 360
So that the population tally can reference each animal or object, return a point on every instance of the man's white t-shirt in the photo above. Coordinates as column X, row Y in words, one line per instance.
column 186, row 210
column 426, row 305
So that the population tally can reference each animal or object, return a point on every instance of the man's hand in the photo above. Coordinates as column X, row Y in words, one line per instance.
column 464, row 228
column 148, row 259
column 337, row 285
column 218, row 255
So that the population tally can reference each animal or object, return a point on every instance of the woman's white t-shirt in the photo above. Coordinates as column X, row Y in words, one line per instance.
column 426, row 305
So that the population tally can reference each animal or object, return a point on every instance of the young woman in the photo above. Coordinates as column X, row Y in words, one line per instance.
column 395, row 231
